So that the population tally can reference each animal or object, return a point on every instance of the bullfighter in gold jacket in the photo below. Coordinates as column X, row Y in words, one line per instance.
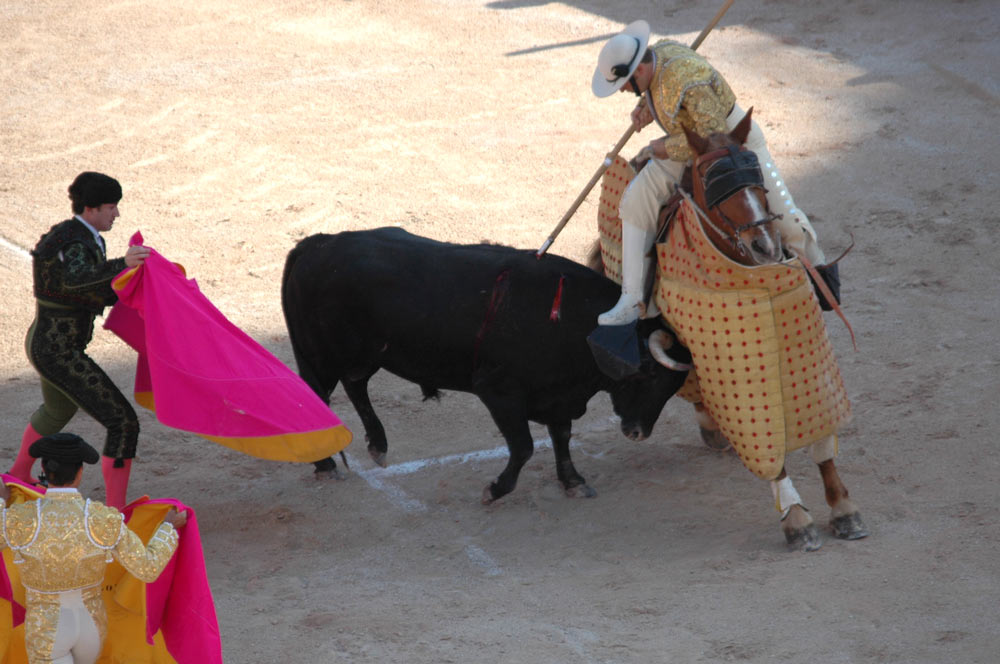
column 63, row 544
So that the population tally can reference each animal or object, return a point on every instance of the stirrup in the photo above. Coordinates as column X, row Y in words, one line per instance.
column 626, row 311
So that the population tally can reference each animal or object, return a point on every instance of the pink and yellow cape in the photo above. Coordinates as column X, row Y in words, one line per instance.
column 200, row 373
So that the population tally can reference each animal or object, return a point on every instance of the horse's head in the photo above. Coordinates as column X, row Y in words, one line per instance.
column 728, row 185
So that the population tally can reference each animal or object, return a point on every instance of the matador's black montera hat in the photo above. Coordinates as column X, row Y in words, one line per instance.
column 66, row 448
column 93, row 189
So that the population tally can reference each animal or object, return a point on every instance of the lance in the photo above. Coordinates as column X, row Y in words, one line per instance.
column 610, row 157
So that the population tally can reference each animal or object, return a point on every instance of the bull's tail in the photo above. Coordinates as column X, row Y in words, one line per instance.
column 294, row 321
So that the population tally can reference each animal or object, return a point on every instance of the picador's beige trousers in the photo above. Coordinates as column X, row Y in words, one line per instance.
column 646, row 193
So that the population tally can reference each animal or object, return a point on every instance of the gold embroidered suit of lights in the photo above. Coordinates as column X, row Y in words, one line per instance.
column 63, row 543
column 687, row 90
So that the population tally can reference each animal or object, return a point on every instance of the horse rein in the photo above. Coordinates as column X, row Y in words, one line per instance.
column 738, row 244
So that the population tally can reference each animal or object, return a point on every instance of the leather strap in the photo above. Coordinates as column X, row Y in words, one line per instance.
column 821, row 285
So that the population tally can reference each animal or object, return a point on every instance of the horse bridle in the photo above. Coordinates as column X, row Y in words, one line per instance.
column 730, row 170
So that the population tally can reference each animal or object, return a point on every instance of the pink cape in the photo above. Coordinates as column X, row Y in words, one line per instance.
column 179, row 603
column 200, row 373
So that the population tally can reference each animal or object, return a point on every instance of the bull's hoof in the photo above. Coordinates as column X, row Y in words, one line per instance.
column 803, row 539
column 714, row 440
column 488, row 495
column 849, row 526
column 580, row 491
column 377, row 457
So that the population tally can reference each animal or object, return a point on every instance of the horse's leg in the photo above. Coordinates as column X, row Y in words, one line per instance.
column 796, row 523
column 711, row 435
column 845, row 520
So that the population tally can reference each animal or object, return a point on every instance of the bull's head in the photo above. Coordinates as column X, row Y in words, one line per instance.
column 651, row 367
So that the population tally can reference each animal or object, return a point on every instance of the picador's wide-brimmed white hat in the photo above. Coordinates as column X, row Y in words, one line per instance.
column 619, row 58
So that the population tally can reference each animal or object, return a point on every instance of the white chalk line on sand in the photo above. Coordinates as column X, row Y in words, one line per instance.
column 410, row 467
column 480, row 558
column 14, row 248
column 376, row 479
column 376, row 476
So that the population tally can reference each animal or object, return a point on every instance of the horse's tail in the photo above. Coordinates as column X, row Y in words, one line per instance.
column 594, row 259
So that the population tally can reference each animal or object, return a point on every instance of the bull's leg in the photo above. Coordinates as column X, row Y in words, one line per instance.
column 324, row 468
column 573, row 483
column 357, row 392
column 845, row 519
column 796, row 522
column 511, row 418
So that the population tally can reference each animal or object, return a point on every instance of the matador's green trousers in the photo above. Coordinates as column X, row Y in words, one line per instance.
column 56, row 345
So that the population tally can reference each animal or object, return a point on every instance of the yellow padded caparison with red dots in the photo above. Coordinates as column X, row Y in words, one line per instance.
column 764, row 364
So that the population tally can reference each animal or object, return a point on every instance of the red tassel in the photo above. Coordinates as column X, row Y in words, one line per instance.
column 557, row 302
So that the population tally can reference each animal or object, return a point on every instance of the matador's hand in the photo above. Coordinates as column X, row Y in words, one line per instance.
column 136, row 255
column 175, row 518
column 4, row 493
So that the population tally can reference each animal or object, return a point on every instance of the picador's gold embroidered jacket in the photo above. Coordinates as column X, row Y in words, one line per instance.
column 686, row 91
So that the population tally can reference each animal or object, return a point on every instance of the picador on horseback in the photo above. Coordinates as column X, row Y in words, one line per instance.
column 737, row 265
column 678, row 88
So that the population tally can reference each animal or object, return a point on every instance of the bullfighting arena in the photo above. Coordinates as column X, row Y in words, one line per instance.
column 237, row 129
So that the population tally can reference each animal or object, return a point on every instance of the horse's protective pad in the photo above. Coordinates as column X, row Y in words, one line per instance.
column 764, row 364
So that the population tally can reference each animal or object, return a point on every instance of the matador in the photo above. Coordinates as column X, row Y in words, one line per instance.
column 72, row 276
column 63, row 543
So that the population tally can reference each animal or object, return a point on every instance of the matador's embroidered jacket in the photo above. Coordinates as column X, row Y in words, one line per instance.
column 686, row 91
column 70, row 269
column 64, row 542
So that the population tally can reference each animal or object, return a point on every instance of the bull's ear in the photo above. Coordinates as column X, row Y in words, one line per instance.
column 697, row 143
column 742, row 129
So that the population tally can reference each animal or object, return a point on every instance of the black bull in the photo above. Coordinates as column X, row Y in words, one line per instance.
column 486, row 319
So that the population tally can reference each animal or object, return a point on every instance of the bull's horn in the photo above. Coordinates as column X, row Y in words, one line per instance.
column 659, row 342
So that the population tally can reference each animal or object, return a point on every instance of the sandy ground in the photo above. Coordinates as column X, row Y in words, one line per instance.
column 239, row 128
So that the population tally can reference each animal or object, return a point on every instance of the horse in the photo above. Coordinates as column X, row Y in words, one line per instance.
column 726, row 190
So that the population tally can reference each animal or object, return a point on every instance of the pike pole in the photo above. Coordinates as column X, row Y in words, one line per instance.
column 610, row 157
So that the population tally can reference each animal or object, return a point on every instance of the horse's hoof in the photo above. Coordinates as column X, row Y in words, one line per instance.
column 377, row 457
column 849, row 526
column 332, row 474
column 803, row 539
column 580, row 491
column 714, row 440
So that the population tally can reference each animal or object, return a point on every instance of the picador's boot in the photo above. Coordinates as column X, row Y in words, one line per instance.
column 24, row 461
column 635, row 266
column 115, row 480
